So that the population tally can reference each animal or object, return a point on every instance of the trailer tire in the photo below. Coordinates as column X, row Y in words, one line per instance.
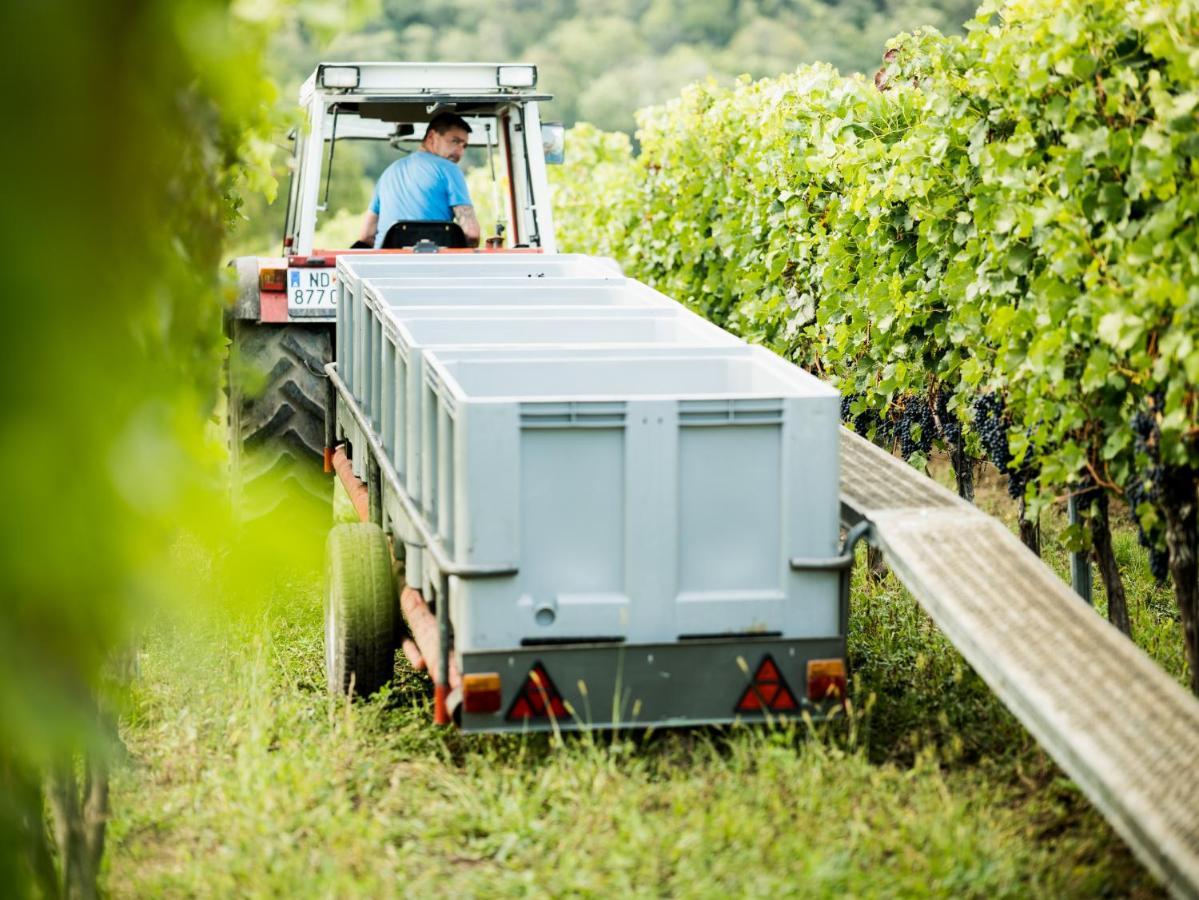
column 360, row 610
column 275, row 413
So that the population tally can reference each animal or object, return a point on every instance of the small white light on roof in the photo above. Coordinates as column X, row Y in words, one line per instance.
column 339, row 76
column 517, row 76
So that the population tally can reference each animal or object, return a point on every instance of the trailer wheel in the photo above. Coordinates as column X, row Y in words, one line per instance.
column 360, row 610
column 275, row 413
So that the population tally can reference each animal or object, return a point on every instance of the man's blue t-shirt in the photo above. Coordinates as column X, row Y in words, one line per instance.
column 420, row 187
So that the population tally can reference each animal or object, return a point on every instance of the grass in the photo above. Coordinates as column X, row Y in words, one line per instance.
column 244, row 778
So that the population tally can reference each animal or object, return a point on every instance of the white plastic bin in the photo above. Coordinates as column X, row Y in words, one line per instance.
column 644, row 497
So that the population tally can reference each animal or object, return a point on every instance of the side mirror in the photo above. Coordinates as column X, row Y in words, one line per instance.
column 403, row 132
column 553, row 139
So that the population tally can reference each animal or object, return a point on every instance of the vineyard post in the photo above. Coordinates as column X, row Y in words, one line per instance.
column 1080, row 563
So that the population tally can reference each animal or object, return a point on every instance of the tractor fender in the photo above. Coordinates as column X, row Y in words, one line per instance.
column 245, row 302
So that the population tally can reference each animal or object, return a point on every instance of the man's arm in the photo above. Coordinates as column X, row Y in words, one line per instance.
column 465, row 217
column 370, row 225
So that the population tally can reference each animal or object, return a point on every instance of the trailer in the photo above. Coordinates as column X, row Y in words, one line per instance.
column 606, row 513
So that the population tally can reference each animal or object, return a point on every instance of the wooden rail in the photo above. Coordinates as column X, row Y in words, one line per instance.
column 1122, row 729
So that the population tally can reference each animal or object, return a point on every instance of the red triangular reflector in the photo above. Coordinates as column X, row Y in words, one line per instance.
column 537, row 697
column 768, row 690
column 784, row 701
column 520, row 709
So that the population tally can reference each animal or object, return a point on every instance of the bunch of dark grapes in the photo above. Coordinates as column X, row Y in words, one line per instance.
column 1146, row 486
column 846, row 404
column 949, row 426
column 1159, row 564
column 991, row 425
column 916, row 427
column 990, row 421
column 884, row 432
column 1088, row 490
column 1136, row 493
column 862, row 421
column 1017, row 479
column 865, row 422
column 1147, row 440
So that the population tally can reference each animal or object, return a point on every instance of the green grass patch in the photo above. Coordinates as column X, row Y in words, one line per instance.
column 244, row 778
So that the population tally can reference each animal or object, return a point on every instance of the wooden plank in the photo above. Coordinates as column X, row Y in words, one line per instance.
column 1123, row 730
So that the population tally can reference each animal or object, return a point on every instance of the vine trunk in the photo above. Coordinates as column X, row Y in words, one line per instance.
column 1105, row 561
column 1030, row 530
column 1182, row 536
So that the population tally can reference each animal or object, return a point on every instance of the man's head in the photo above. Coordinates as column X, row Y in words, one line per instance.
column 447, row 136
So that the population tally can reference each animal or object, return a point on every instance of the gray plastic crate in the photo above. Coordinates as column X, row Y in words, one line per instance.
column 353, row 268
column 361, row 335
column 443, row 292
column 643, row 497
column 394, row 395
column 405, row 338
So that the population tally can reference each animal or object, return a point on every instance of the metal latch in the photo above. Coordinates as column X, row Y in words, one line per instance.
column 834, row 563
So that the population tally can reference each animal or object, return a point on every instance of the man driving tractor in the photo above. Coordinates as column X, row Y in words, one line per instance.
column 426, row 185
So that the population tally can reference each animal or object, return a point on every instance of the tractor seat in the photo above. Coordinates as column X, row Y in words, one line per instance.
column 410, row 233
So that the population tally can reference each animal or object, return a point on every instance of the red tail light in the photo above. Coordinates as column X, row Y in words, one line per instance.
column 481, row 692
column 826, row 679
column 768, row 691
column 538, row 698
column 273, row 280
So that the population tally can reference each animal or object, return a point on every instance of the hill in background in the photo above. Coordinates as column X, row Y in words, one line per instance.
column 604, row 59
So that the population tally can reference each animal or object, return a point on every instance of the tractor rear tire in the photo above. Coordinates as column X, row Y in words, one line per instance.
column 276, row 415
column 361, row 610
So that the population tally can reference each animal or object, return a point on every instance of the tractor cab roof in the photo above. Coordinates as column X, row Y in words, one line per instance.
column 393, row 101
column 475, row 86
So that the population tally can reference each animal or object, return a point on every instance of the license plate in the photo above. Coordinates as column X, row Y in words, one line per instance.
column 311, row 291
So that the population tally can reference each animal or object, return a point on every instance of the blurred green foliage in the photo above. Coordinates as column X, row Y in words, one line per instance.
column 142, row 123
